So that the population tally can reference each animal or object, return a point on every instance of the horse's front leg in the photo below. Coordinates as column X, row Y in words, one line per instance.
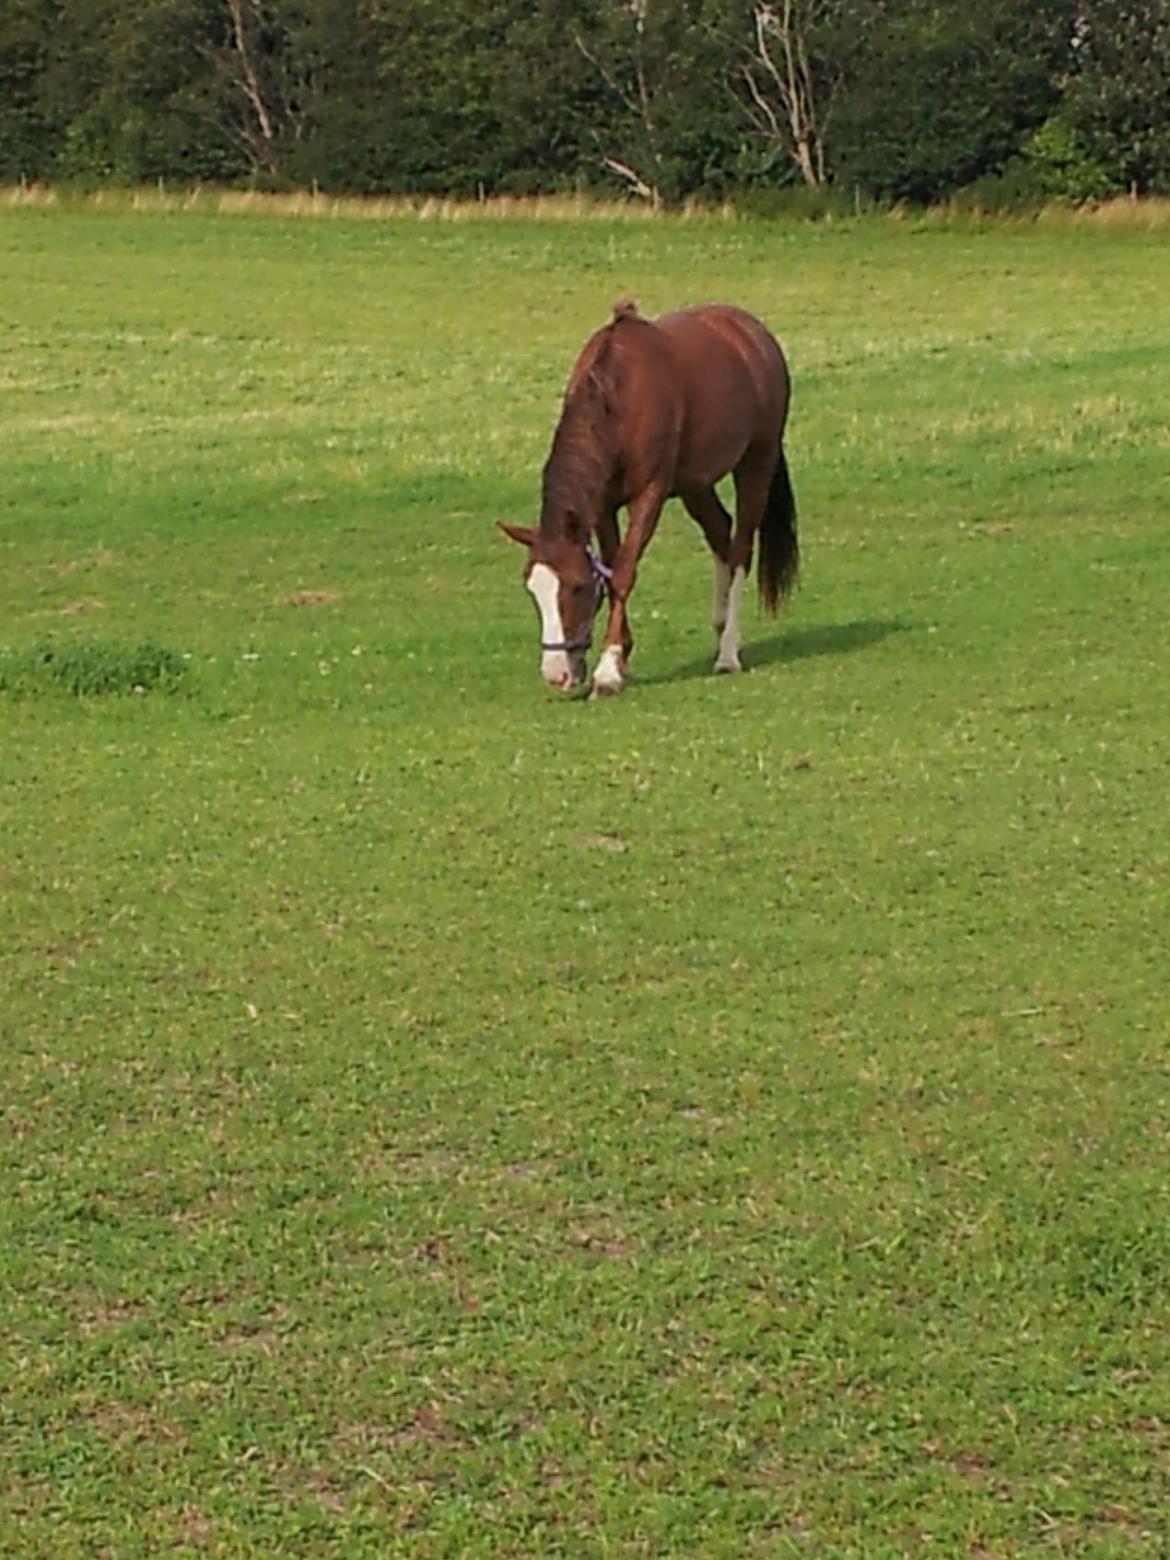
column 609, row 540
column 618, row 645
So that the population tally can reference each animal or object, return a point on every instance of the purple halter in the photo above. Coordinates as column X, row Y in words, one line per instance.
column 602, row 581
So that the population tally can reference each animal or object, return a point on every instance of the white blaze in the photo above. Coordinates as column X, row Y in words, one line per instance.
column 545, row 588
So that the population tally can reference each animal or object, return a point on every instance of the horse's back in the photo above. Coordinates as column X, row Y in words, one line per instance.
column 688, row 393
column 721, row 343
column 734, row 384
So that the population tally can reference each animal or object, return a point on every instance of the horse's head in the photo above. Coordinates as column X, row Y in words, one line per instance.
column 566, row 580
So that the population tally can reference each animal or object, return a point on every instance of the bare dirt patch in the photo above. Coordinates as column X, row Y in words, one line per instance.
column 312, row 598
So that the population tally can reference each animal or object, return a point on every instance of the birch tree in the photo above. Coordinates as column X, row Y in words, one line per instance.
column 263, row 85
column 792, row 68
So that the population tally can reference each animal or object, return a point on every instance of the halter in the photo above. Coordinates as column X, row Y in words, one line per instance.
column 602, row 581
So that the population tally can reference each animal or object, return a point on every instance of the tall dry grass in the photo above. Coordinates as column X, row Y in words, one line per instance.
column 1123, row 211
column 375, row 208
column 1120, row 213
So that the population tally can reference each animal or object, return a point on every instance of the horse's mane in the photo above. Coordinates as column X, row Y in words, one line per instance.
column 580, row 464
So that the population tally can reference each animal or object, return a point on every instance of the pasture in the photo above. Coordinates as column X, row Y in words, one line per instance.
column 446, row 1119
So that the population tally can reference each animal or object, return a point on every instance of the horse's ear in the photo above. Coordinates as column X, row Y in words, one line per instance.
column 524, row 534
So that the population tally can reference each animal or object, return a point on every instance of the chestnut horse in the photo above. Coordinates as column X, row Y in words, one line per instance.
column 656, row 409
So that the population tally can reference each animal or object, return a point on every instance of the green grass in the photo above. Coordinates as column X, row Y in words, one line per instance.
column 87, row 668
column 442, row 1119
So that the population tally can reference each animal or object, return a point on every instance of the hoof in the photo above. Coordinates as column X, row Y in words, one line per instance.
column 605, row 690
column 610, row 674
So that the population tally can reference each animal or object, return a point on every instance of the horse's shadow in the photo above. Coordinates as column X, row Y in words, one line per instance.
column 797, row 645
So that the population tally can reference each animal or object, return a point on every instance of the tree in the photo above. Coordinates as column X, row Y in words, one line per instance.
column 28, row 128
column 260, row 78
column 791, row 72
column 343, row 106
column 671, row 98
column 1118, row 97
column 123, row 82
column 480, row 95
column 626, row 71
column 944, row 95
column 660, row 119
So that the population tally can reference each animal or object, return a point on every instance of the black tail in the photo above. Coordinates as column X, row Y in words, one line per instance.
column 779, row 548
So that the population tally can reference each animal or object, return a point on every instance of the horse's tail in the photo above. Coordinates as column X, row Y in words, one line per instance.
column 779, row 548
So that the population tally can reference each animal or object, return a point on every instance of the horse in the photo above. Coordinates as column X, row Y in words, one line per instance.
column 656, row 409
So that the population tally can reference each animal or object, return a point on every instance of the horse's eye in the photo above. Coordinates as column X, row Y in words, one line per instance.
column 581, row 590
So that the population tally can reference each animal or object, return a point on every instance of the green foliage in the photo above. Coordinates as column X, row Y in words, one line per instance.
column 653, row 107
column 944, row 97
column 911, row 99
column 1118, row 100
column 1062, row 165
column 27, row 124
column 88, row 668
column 1054, row 165
column 459, row 115
column 136, row 93
column 349, row 136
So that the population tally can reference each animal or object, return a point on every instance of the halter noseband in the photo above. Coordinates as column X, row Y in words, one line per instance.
column 602, row 581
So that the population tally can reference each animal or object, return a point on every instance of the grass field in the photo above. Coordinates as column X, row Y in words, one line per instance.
column 444, row 1119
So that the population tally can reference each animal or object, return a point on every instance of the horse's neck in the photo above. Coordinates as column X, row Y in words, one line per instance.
column 579, row 472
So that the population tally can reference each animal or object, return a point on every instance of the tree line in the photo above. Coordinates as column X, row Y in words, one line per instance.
column 765, row 101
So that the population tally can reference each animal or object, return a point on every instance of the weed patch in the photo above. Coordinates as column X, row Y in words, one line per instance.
column 91, row 668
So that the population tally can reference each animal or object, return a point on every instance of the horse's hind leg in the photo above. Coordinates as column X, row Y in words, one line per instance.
column 703, row 506
column 752, row 478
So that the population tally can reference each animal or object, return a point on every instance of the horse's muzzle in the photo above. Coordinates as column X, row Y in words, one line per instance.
column 562, row 671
